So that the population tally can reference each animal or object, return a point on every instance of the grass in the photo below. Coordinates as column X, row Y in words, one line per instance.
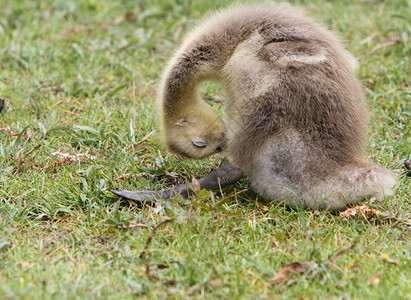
column 80, row 77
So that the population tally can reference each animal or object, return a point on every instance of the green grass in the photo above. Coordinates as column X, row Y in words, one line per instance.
column 81, row 77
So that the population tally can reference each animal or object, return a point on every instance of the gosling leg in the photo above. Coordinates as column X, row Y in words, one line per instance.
column 218, row 177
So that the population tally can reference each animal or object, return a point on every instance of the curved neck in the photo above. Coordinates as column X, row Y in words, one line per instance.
column 178, row 96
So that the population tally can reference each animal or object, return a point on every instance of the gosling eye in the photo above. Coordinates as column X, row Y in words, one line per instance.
column 199, row 143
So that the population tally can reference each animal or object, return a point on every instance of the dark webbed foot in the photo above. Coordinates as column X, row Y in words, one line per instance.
column 219, row 177
column 138, row 196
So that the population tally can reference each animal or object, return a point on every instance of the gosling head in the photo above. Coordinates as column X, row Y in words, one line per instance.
column 195, row 137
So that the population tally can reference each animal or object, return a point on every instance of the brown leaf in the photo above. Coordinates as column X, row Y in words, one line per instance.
column 295, row 267
column 367, row 212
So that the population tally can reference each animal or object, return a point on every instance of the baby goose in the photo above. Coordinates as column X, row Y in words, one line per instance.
column 296, row 118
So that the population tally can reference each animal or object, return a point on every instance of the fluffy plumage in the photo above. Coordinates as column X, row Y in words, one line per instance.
column 296, row 118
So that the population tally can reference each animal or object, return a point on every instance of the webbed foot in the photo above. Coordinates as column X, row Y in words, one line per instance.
column 137, row 196
column 219, row 177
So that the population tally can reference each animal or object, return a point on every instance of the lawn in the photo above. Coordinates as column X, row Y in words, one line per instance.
column 80, row 79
